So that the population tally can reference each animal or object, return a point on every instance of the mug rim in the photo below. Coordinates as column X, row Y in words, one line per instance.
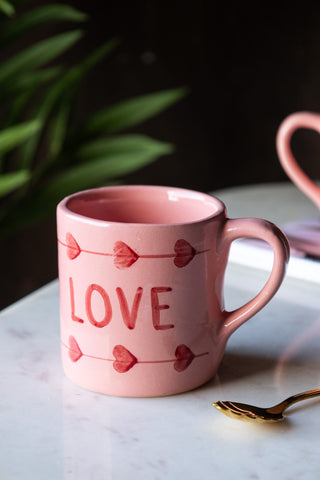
column 179, row 192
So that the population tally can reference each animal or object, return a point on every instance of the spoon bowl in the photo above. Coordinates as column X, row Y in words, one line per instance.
column 249, row 413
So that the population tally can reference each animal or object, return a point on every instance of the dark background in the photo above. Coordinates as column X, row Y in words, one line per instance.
column 247, row 64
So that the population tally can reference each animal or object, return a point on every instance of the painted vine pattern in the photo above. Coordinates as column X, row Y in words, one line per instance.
column 124, row 360
column 124, row 256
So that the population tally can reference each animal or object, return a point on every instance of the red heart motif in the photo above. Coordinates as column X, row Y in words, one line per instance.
column 184, row 253
column 73, row 249
column 74, row 350
column 124, row 256
column 124, row 360
column 184, row 357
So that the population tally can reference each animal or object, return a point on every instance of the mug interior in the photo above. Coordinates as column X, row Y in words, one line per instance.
column 144, row 204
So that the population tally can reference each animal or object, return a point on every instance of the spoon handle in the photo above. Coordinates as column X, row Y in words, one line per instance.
column 298, row 397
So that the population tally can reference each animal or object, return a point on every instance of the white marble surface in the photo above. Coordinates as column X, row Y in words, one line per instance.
column 52, row 429
column 277, row 202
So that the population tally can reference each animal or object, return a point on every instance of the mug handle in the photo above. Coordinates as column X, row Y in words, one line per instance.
column 267, row 231
column 294, row 171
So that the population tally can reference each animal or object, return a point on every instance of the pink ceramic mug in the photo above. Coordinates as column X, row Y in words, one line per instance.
column 287, row 128
column 141, row 273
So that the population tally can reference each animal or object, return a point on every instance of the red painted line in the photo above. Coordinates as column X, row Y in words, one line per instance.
column 138, row 361
column 86, row 251
column 172, row 255
column 163, row 255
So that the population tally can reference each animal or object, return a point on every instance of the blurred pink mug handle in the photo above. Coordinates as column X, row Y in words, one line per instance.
column 294, row 171
column 270, row 233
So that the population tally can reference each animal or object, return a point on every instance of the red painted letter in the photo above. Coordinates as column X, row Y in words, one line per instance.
column 156, row 307
column 107, row 305
column 73, row 315
column 129, row 318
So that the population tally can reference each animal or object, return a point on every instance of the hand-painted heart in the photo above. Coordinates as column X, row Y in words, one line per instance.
column 184, row 357
column 124, row 256
column 124, row 360
column 73, row 249
column 184, row 253
column 75, row 352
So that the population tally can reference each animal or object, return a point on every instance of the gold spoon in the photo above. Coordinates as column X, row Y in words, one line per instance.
column 251, row 413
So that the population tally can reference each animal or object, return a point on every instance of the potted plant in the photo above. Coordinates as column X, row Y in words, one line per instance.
column 46, row 152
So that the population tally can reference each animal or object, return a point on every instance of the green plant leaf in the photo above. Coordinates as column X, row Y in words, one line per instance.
column 7, row 8
column 13, row 114
column 57, row 130
column 38, row 55
column 21, row 95
column 38, row 17
column 133, row 111
column 15, row 109
column 69, row 82
column 103, row 168
column 96, row 56
column 75, row 75
column 13, row 136
column 121, row 144
column 30, row 81
column 13, row 180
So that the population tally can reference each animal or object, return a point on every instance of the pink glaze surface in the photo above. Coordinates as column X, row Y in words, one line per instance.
column 141, row 272
column 294, row 171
